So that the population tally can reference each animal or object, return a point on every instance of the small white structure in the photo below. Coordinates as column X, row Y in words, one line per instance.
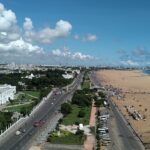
column 81, row 126
column 67, row 76
column 77, row 71
column 6, row 92
column 31, row 76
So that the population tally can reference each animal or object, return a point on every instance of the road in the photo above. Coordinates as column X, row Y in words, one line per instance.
column 48, row 108
column 121, row 133
column 124, row 137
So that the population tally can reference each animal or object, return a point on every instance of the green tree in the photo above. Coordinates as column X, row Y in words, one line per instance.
column 102, row 95
column 81, row 99
column 66, row 108
column 80, row 133
column 81, row 113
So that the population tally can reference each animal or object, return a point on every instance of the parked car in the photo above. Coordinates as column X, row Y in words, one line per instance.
column 18, row 132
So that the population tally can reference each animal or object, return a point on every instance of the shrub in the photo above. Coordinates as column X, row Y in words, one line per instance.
column 66, row 108
column 81, row 113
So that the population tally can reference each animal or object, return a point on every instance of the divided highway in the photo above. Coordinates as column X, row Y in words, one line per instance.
column 46, row 110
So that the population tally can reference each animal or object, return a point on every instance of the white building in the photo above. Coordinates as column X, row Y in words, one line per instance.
column 6, row 92
column 67, row 76
column 31, row 76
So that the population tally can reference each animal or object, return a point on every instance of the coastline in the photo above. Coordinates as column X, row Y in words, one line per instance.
column 133, row 92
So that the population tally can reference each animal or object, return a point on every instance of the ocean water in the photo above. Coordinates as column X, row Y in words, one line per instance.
column 146, row 72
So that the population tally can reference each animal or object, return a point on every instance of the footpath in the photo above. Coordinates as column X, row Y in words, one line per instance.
column 89, row 143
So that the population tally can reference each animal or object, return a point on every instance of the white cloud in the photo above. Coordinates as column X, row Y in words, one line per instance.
column 86, row 38
column 90, row 37
column 7, row 20
column 8, row 28
column 130, row 63
column 57, row 52
column 72, row 55
column 80, row 56
column 76, row 37
column 20, row 47
column 16, row 42
column 28, row 24
column 47, row 35
column 61, row 52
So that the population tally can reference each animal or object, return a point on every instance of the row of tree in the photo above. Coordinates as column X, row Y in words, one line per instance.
column 47, row 78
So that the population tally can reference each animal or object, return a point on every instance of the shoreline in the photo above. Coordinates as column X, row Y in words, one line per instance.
column 132, row 92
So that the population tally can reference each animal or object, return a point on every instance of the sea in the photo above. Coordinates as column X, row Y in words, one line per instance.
column 147, row 71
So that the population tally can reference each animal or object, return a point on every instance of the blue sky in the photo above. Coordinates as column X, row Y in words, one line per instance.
column 96, row 32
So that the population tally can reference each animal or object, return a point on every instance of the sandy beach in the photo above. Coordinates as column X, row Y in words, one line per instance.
column 132, row 94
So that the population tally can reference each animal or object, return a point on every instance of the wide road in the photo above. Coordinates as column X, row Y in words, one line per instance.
column 123, row 137
column 47, row 109
column 124, row 134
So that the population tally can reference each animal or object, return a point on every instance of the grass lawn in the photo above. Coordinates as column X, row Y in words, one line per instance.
column 33, row 93
column 18, row 108
column 73, row 116
column 25, row 96
column 69, row 139
column 86, row 84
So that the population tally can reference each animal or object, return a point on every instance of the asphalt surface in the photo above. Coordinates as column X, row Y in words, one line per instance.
column 126, row 138
column 48, row 108
column 123, row 136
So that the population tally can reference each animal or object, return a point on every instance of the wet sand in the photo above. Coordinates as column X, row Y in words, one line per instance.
column 132, row 89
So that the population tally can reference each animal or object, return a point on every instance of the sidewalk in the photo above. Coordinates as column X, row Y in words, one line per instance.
column 92, row 117
column 89, row 143
column 90, row 140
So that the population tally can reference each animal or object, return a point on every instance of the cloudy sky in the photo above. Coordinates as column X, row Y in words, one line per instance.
column 74, row 32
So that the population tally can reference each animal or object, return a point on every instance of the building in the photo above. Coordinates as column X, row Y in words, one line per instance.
column 6, row 92
column 31, row 76
column 67, row 76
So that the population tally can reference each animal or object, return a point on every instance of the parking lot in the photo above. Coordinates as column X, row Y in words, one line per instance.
column 103, row 128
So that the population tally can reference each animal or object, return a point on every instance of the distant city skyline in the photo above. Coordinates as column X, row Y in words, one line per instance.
column 81, row 32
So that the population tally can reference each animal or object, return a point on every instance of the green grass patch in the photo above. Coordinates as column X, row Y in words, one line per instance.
column 25, row 96
column 86, row 84
column 28, row 107
column 32, row 93
column 66, row 137
column 72, row 118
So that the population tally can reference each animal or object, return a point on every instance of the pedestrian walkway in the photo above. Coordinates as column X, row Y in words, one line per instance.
column 35, row 148
column 92, row 117
column 90, row 140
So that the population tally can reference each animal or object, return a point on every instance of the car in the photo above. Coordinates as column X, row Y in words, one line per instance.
column 23, row 130
column 18, row 132
column 41, row 122
column 36, row 124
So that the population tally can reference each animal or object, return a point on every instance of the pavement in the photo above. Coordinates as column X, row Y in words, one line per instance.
column 93, row 116
column 47, row 109
column 121, row 133
column 89, row 142
column 41, row 137
column 35, row 148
